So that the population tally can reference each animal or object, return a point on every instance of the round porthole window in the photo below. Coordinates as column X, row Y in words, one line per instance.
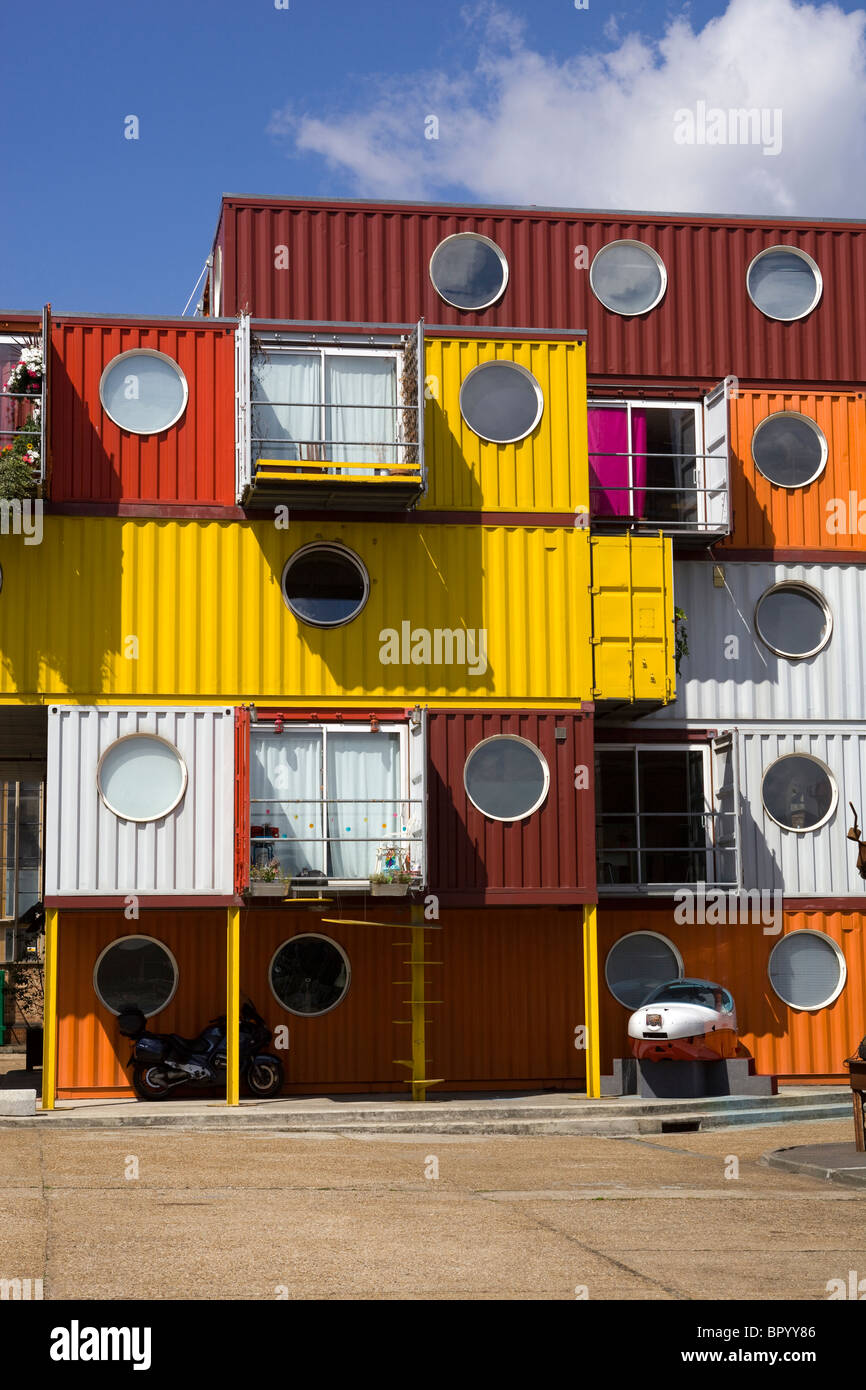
column 793, row 620
column 789, row 449
column 506, row 777
column 135, row 972
column 628, row 277
column 501, row 401
column 143, row 391
column 784, row 283
column 325, row 585
column 141, row 777
column 309, row 974
column 799, row 792
column 807, row 970
column 638, row 964
column 469, row 271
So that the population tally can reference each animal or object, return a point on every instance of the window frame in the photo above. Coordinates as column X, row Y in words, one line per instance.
column 816, row 428
column 659, row 886
column 503, row 259
column 631, row 403
column 136, row 936
column 801, row 587
column 144, row 352
column 659, row 936
column 513, row 738
column 834, row 802
column 323, row 727
column 663, row 270
column 843, row 970
column 320, row 936
column 323, row 351
column 155, row 738
column 536, row 385
column 340, row 548
column 804, row 256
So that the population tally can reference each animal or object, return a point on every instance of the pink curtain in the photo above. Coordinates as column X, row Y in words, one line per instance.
column 608, row 462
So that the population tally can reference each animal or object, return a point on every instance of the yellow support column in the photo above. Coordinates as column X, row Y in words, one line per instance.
column 590, row 1000
column 233, row 1006
column 49, row 1019
column 418, row 1003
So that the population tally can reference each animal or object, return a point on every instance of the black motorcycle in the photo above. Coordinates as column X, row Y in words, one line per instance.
column 164, row 1061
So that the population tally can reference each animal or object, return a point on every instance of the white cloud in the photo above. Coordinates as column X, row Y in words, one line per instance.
column 516, row 126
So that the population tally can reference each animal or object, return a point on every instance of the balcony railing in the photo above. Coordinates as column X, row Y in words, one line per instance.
column 704, row 850
column 298, row 444
column 693, row 508
column 332, row 853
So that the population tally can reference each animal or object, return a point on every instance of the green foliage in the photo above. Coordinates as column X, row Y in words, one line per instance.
column 681, row 637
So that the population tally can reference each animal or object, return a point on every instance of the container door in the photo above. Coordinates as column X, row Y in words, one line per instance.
column 243, row 465
column 727, row 858
column 716, row 484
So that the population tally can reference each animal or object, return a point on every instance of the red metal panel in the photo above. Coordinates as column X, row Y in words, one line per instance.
column 368, row 262
column 96, row 461
column 549, row 856
column 783, row 1041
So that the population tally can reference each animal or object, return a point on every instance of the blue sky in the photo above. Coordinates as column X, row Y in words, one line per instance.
column 536, row 102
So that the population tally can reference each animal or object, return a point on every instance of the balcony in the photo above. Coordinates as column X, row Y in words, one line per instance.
column 660, row 466
column 330, row 419
column 22, row 413
column 334, row 808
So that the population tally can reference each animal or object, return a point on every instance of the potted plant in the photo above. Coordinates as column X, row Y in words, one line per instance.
column 391, row 885
column 268, row 881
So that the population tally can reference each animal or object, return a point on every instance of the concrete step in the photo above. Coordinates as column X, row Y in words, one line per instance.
column 581, row 1118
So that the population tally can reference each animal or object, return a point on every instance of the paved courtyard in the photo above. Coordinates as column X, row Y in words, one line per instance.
column 258, row 1215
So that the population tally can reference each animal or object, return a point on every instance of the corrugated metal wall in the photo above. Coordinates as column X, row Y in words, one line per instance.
column 95, row 460
column 511, row 982
column 818, row 863
column 91, row 1054
column 729, row 674
column 782, row 1040
column 203, row 601
column 368, row 263
column 549, row 856
column 546, row 472
column 766, row 516
column 89, row 850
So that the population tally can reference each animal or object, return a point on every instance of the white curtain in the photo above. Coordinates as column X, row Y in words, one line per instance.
column 362, row 766
column 286, row 792
column 286, row 429
column 370, row 383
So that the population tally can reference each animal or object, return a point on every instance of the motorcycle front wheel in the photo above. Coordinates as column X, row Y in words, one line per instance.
column 265, row 1077
column 149, row 1083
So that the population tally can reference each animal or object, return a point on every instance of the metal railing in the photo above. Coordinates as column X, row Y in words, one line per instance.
column 315, row 454
column 271, row 837
column 705, row 850
column 696, row 507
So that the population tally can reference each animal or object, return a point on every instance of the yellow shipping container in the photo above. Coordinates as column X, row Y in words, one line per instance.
column 109, row 609
column 633, row 618
column 546, row 472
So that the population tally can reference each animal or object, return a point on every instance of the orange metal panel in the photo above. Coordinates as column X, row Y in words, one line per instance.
column 766, row 516
column 511, row 982
column 783, row 1041
column 92, row 1055
column 96, row 461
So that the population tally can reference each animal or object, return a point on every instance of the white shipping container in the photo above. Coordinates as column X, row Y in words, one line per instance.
column 731, row 674
column 150, row 817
